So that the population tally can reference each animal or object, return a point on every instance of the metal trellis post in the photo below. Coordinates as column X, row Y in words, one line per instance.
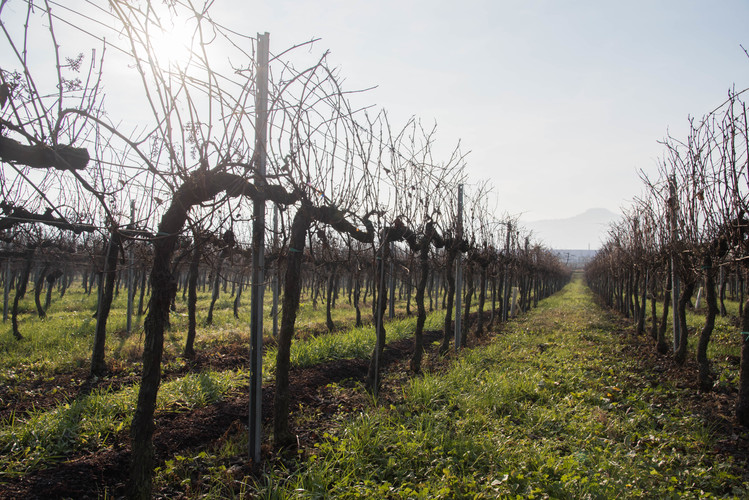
column 506, row 278
column 258, row 254
column 378, row 323
column 130, row 273
column 391, row 303
column 459, row 272
column 275, row 273
column 674, row 274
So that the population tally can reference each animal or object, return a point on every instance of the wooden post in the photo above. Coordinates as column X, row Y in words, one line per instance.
column 258, row 252
column 459, row 272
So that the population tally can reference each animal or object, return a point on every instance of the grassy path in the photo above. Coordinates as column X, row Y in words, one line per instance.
column 551, row 409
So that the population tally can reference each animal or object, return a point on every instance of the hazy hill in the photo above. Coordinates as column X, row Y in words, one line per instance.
column 581, row 232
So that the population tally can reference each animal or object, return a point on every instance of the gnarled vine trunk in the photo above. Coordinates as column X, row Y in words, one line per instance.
column 705, row 380
column 423, row 249
column 482, row 300
column 192, row 300
column 282, row 437
column 21, row 291
column 686, row 296
column 202, row 186
column 304, row 216
column 98, row 365
column 452, row 254
column 662, row 344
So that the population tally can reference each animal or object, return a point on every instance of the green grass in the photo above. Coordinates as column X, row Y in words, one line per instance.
column 62, row 342
column 54, row 344
column 356, row 342
column 549, row 410
column 89, row 422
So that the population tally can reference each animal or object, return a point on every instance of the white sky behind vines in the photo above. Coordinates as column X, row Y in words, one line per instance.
column 559, row 102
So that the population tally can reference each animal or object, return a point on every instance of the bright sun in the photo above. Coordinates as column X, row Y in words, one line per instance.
column 171, row 39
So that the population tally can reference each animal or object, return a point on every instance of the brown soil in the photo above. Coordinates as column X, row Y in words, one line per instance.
column 715, row 407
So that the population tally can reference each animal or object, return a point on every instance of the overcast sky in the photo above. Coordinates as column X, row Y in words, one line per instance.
column 559, row 102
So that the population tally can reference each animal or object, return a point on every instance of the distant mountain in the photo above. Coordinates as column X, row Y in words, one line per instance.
column 581, row 232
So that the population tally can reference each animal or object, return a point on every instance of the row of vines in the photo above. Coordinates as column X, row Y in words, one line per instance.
column 685, row 241
column 161, row 204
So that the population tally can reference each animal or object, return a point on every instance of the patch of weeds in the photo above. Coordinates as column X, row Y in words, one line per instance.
column 356, row 342
column 91, row 421
column 574, row 421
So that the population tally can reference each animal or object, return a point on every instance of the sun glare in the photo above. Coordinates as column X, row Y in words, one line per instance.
column 172, row 40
